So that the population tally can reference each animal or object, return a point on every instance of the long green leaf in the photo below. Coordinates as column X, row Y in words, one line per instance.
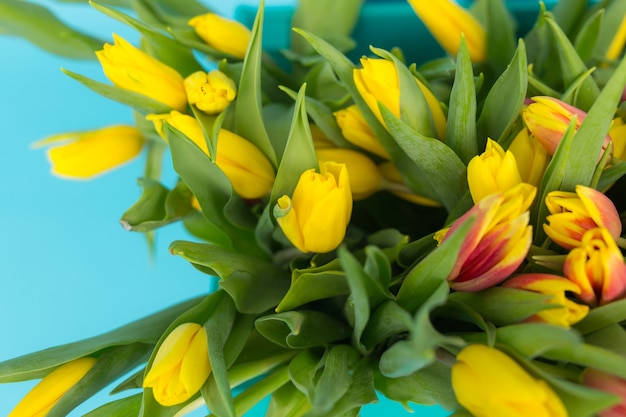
column 125, row 407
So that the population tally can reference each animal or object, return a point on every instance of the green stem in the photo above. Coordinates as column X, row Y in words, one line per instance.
column 250, row 397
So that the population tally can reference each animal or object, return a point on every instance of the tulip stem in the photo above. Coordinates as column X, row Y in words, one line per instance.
column 445, row 357
column 621, row 242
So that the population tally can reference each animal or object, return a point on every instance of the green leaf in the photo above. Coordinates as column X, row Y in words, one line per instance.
column 587, row 37
column 302, row 329
column 288, row 401
column 261, row 389
column 500, row 35
column 39, row 26
column 254, row 284
column 311, row 285
column 335, row 378
column 38, row 364
column 139, row 102
column 125, row 407
column 461, row 126
column 567, row 14
column 611, row 337
column 505, row 99
column 603, row 316
column 167, row 13
column 613, row 16
column 386, row 321
column 248, row 113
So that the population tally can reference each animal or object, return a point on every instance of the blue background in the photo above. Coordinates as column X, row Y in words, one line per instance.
column 69, row 271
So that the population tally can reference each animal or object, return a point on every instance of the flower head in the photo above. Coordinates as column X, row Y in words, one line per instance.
column 84, row 155
column 492, row 171
column 608, row 383
column 315, row 218
column 567, row 312
column 225, row 35
column 531, row 157
column 447, row 21
column 597, row 267
column 356, row 131
column 365, row 177
column 181, row 365
column 211, row 92
column 572, row 214
column 489, row 383
column 132, row 69
column 49, row 391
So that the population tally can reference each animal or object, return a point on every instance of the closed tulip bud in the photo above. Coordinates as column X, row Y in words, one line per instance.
column 394, row 183
column 547, row 118
column 210, row 92
column 356, row 131
column 315, row 218
column 378, row 81
column 52, row 388
column 447, row 21
column 489, row 383
column 608, row 383
column 572, row 214
column 531, row 157
column 247, row 168
column 132, row 69
column 566, row 311
column 84, row 155
column 597, row 266
column 365, row 178
column 492, row 171
column 497, row 242
column 225, row 35
column 181, row 365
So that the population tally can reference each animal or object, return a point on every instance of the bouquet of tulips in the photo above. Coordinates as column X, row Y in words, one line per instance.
column 447, row 233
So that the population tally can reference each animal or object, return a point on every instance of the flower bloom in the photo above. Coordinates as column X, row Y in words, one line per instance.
column 225, row 35
column 132, row 69
column 496, row 244
column 394, row 183
column 492, row 171
column 531, row 157
column 378, row 81
column 363, row 174
column 597, row 266
column 489, row 383
column 181, row 365
column 315, row 218
column 247, row 168
column 84, row 155
column 446, row 21
column 572, row 214
column 611, row 384
column 49, row 391
column 567, row 312
column 547, row 118
column 356, row 131
column 211, row 92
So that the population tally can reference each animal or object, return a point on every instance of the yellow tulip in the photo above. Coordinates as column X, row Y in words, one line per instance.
column 492, row 171
column 489, row 383
column 446, row 21
column 210, row 92
column 616, row 46
column 395, row 185
column 618, row 137
column 84, row 155
column 181, row 365
column 365, row 178
column 315, row 218
column 356, row 131
column 132, row 69
column 247, row 168
column 225, row 35
column 531, row 157
column 567, row 313
column 378, row 81
column 49, row 391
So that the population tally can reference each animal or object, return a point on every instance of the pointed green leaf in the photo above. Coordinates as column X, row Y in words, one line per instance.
column 312, row 286
column 500, row 35
column 288, row 401
column 335, row 378
column 587, row 36
column 125, row 407
column 302, row 329
column 386, row 321
column 603, row 316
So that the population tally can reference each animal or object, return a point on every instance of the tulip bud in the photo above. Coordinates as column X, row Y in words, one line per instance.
column 378, row 81
column 394, row 183
column 356, row 131
column 84, row 155
column 492, row 171
column 497, row 242
column 531, row 157
column 132, row 69
column 489, row 383
column 47, row 393
column 181, row 365
column 247, row 168
column 315, row 218
column 618, row 137
column 567, row 312
column 365, row 178
column 447, row 21
column 210, row 92
column 225, row 35
column 597, row 266
column 608, row 383
column 572, row 214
